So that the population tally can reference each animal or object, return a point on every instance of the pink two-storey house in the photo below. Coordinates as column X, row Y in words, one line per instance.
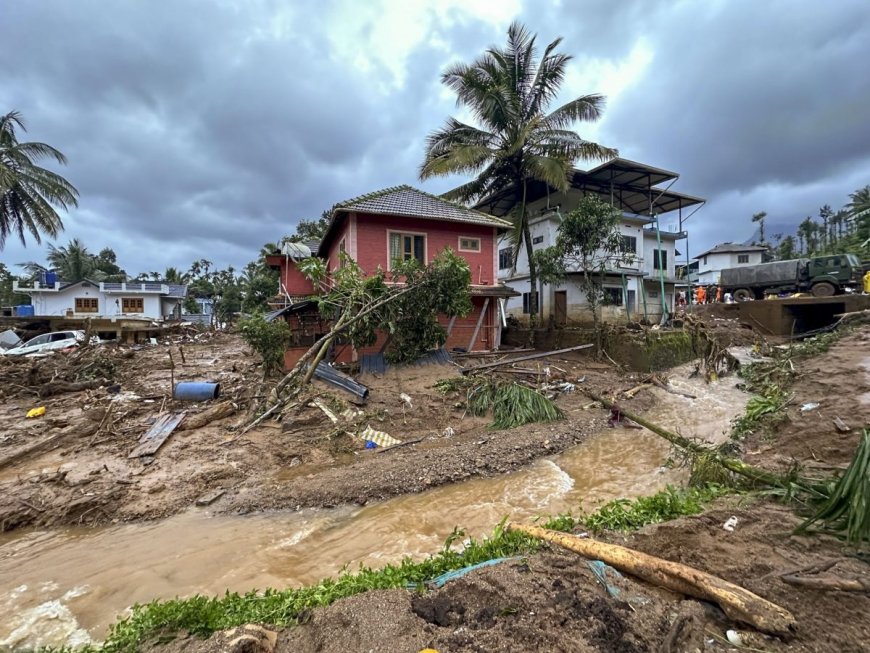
column 403, row 223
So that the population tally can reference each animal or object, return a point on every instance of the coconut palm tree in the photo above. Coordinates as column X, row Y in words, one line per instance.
column 509, row 91
column 759, row 218
column 825, row 213
column 73, row 262
column 174, row 275
column 28, row 192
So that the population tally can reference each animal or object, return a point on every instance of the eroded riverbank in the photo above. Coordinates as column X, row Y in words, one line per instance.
column 87, row 577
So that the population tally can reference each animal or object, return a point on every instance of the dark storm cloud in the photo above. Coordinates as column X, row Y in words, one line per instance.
column 207, row 129
column 758, row 105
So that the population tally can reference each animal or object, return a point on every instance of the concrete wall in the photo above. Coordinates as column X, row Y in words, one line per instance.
column 709, row 272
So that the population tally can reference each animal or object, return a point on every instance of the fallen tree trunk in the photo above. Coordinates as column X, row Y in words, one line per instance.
column 828, row 583
column 206, row 417
column 83, row 431
column 59, row 387
column 737, row 602
column 540, row 354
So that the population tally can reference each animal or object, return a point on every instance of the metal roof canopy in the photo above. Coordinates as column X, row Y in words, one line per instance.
column 628, row 185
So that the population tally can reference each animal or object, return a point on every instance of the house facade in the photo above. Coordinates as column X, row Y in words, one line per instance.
column 406, row 223
column 638, row 285
column 97, row 299
column 724, row 256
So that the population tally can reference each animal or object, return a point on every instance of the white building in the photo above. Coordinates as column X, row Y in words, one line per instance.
column 726, row 255
column 636, row 288
column 83, row 299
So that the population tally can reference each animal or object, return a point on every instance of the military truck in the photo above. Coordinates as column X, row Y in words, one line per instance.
column 823, row 276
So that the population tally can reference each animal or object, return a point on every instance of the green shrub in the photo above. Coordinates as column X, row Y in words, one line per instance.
column 269, row 339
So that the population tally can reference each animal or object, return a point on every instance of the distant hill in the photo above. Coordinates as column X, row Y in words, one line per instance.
column 770, row 230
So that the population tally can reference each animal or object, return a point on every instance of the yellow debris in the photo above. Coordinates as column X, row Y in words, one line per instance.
column 36, row 412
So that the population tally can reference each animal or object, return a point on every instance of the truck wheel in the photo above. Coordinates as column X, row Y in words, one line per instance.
column 824, row 289
column 743, row 294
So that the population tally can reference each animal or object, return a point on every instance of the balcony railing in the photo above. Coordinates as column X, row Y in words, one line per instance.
column 107, row 287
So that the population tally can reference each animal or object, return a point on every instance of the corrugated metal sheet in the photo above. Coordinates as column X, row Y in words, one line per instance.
column 377, row 364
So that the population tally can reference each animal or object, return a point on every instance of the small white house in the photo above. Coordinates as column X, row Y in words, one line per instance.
column 723, row 256
column 83, row 299
column 638, row 286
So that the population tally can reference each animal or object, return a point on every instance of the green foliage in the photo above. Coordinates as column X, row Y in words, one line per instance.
column 28, row 192
column 269, row 339
column 670, row 503
column 405, row 306
column 201, row 615
column 511, row 404
column 846, row 510
column 442, row 287
column 770, row 404
column 307, row 230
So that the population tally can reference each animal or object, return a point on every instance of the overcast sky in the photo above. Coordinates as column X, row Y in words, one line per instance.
column 203, row 129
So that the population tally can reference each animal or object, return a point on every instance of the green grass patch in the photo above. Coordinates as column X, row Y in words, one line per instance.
column 670, row 503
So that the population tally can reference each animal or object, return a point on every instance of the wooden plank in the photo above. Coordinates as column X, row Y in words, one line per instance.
column 542, row 354
column 210, row 497
column 155, row 436
column 479, row 322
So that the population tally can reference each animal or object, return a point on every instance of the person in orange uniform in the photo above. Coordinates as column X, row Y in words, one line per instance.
column 718, row 294
column 701, row 295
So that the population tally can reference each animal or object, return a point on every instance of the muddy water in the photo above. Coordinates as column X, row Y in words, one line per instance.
column 68, row 585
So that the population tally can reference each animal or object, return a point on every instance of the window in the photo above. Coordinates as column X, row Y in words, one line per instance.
column 469, row 244
column 612, row 296
column 87, row 305
column 505, row 258
column 652, row 294
column 342, row 250
column 537, row 240
column 660, row 259
column 629, row 244
column 132, row 305
column 529, row 302
column 705, row 260
column 404, row 247
column 743, row 258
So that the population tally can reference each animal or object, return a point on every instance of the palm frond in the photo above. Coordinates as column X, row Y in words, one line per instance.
column 29, row 193
column 586, row 108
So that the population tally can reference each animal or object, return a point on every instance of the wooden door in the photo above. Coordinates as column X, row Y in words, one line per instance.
column 560, row 303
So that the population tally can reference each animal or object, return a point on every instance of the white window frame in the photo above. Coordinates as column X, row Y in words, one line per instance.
column 342, row 249
column 467, row 249
column 408, row 233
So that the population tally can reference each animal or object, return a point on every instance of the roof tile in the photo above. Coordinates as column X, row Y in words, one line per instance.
column 408, row 201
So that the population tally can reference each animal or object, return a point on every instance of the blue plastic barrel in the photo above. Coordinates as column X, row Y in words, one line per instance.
column 196, row 391
column 50, row 278
column 24, row 310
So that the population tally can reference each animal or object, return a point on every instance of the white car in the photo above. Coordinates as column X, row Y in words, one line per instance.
column 47, row 343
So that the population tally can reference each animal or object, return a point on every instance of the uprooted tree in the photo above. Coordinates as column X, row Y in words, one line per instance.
column 403, row 304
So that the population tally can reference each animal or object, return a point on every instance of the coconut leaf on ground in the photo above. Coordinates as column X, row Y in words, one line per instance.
column 846, row 511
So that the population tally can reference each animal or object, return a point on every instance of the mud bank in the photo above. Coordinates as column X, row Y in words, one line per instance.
column 85, row 476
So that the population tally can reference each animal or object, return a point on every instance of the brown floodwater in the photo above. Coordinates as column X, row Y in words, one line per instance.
column 67, row 585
